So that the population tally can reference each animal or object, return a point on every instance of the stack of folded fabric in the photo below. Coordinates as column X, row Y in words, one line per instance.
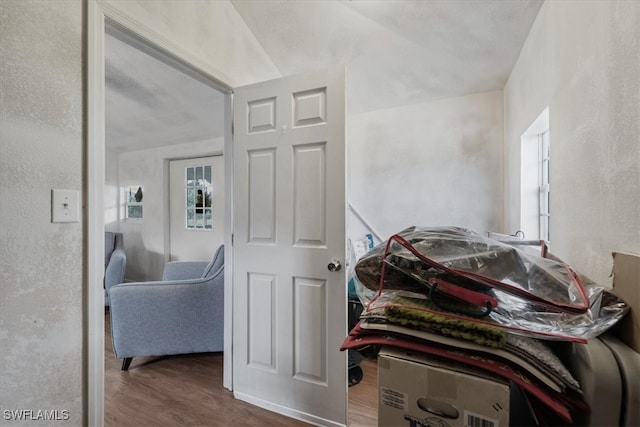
column 456, row 295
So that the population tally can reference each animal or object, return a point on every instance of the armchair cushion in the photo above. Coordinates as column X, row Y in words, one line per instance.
column 115, row 264
column 109, row 246
column 183, row 313
column 215, row 264
column 183, row 270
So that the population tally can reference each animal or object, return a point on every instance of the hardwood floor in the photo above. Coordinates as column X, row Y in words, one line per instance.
column 363, row 397
column 186, row 390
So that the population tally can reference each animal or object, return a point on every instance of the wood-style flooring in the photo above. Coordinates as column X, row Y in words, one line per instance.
column 186, row 390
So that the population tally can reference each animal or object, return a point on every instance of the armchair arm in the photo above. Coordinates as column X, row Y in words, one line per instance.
column 183, row 270
column 170, row 317
column 114, row 273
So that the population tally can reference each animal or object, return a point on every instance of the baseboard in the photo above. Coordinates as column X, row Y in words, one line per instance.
column 288, row 412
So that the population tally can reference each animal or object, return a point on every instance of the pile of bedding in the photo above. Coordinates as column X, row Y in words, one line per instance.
column 454, row 294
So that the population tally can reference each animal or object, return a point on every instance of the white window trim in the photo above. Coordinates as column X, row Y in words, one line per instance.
column 199, row 186
column 533, row 220
column 127, row 203
column 544, row 210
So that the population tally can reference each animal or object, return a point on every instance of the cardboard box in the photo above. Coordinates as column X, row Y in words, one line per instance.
column 416, row 390
column 626, row 285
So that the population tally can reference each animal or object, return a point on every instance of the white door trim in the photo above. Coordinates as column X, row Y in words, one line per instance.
column 99, row 13
column 95, row 215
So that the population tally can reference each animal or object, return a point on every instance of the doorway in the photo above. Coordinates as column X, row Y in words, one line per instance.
column 104, row 19
column 156, row 113
column 311, row 103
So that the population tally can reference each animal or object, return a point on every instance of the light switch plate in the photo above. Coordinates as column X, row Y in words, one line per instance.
column 65, row 206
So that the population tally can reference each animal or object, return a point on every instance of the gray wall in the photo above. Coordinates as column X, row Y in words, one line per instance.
column 429, row 164
column 582, row 60
column 41, row 264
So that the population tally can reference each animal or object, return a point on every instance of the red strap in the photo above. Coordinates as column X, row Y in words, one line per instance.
column 464, row 294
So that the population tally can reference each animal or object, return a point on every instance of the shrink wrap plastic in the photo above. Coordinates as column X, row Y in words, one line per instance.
column 458, row 273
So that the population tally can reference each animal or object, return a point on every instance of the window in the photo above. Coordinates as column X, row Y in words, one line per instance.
column 133, row 202
column 535, row 210
column 199, row 204
column 544, row 212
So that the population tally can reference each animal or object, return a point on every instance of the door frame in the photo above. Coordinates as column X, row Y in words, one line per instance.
column 101, row 16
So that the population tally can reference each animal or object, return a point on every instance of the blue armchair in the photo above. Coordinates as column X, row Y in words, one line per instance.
column 183, row 313
column 115, row 261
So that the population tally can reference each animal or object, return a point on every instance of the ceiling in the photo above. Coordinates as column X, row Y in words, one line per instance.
column 396, row 53
column 150, row 104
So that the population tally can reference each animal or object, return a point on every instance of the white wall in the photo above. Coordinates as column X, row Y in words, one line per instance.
column 430, row 164
column 111, row 193
column 581, row 59
column 41, row 264
column 42, row 303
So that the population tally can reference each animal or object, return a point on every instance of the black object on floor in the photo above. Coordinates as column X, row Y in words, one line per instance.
column 355, row 375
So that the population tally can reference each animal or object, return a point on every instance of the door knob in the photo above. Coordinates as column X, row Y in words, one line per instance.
column 334, row 265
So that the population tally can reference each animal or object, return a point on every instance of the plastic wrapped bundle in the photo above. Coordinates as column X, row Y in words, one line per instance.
column 461, row 274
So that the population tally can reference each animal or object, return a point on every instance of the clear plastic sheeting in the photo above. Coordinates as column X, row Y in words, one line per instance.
column 461, row 274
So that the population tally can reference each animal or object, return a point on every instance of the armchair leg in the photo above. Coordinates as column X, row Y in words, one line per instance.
column 126, row 362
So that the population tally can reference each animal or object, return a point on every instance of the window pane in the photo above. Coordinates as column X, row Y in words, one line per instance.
column 544, row 200
column 545, row 145
column 134, row 211
column 207, row 174
column 544, row 228
column 209, row 219
column 190, row 218
column 191, row 197
column 190, row 177
column 199, row 175
column 199, row 200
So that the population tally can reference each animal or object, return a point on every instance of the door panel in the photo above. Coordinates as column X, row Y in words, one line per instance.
column 262, row 196
column 262, row 310
column 310, row 337
column 309, row 194
column 289, row 223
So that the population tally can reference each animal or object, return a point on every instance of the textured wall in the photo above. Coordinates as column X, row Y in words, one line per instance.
column 582, row 60
column 437, row 163
column 41, row 264
column 42, row 301
column 111, row 191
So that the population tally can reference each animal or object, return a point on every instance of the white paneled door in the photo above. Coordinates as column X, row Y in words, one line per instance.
column 289, row 226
